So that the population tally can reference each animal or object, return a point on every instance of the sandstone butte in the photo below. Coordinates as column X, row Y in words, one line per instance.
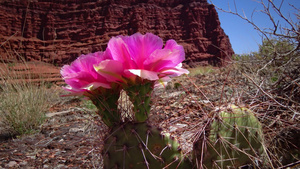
column 57, row 32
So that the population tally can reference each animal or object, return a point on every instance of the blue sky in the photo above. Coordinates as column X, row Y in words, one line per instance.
column 243, row 37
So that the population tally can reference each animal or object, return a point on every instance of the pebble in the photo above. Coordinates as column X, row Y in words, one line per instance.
column 76, row 130
column 23, row 163
column 11, row 164
column 60, row 166
column 46, row 166
column 32, row 157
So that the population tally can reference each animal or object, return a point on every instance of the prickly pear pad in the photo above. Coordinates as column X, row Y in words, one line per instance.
column 139, row 146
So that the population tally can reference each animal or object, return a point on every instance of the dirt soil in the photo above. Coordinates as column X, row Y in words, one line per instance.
column 72, row 135
column 69, row 138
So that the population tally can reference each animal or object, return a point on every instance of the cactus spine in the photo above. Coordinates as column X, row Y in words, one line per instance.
column 136, row 145
column 133, row 64
column 140, row 95
column 139, row 146
column 235, row 139
column 106, row 101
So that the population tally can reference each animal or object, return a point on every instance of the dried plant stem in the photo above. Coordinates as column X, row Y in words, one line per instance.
column 271, row 97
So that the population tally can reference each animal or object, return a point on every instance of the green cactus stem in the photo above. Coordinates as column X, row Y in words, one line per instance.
column 140, row 146
column 235, row 139
column 140, row 96
column 106, row 101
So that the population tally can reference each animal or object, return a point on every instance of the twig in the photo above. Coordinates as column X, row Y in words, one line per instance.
column 290, row 165
column 271, row 97
column 8, row 39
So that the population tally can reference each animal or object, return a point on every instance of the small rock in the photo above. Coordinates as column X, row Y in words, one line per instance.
column 60, row 166
column 11, row 164
column 46, row 166
column 76, row 130
column 23, row 163
column 32, row 157
column 45, row 161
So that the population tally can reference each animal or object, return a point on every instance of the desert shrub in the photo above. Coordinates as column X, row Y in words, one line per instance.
column 23, row 109
column 23, row 103
column 284, row 69
column 275, row 67
column 200, row 70
column 270, row 80
column 274, row 56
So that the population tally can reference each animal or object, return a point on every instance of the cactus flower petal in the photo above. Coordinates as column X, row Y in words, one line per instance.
column 81, row 75
column 175, row 71
column 141, row 46
column 170, row 56
column 120, row 52
column 145, row 74
column 110, row 69
column 144, row 56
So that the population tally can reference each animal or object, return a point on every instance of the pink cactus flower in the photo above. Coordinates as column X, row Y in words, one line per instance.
column 144, row 56
column 82, row 77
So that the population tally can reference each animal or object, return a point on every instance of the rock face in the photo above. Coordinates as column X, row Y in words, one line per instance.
column 57, row 31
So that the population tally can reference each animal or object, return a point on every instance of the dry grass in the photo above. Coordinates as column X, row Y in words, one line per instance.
column 201, row 70
column 23, row 101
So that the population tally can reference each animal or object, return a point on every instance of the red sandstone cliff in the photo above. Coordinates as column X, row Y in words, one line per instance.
column 58, row 31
